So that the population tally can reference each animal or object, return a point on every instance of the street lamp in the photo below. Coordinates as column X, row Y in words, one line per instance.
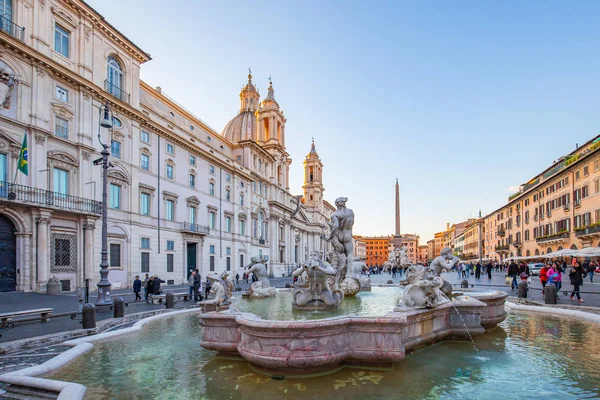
column 105, row 117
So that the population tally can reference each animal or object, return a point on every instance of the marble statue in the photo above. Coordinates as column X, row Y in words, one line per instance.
column 302, row 281
column 423, row 289
column 444, row 262
column 318, row 295
column 340, row 237
column 228, row 284
column 218, row 291
column 261, row 288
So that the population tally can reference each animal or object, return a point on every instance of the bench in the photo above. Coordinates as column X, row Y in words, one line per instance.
column 44, row 313
column 159, row 298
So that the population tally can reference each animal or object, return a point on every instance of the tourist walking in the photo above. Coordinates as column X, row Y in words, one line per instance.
column 157, row 282
column 197, row 286
column 149, row 287
column 558, row 278
column 145, row 284
column 576, row 276
column 591, row 268
column 191, row 283
column 544, row 277
column 463, row 270
column 489, row 268
column 137, row 288
column 478, row 270
column 513, row 272
column 237, row 279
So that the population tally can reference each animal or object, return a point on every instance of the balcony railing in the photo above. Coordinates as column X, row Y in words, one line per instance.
column 501, row 232
column 554, row 236
column 195, row 228
column 13, row 30
column 26, row 194
column 516, row 243
column 587, row 231
column 116, row 91
column 501, row 247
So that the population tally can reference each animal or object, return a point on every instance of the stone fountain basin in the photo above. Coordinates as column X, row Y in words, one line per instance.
column 300, row 348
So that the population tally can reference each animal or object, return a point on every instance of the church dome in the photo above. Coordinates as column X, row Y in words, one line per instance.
column 241, row 127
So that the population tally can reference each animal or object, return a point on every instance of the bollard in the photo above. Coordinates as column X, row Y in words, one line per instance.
column 170, row 300
column 118, row 307
column 522, row 289
column 390, row 282
column 464, row 284
column 88, row 316
column 550, row 294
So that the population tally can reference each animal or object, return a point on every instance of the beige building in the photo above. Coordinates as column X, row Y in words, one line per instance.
column 430, row 249
column 360, row 248
column 422, row 254
column 557, row 209
column 180, row 194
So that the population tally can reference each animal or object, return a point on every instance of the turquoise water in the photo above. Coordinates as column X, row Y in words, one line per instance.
column 526, row 357
column 378, row 302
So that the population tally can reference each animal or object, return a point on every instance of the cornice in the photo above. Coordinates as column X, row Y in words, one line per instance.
column 255, row 146
column 87, row 87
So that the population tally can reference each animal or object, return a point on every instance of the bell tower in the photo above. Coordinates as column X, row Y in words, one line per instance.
column 271, row 122
column 313, row 178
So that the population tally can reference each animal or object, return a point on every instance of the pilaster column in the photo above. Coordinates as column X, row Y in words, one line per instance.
column 88, row 261
column 43, row 251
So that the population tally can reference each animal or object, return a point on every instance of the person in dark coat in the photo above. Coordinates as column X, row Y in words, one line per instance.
column 477, row 271
column 513, row 272
column 488, row 269
column 576, row 276
column 197, row 284
column 149, row 287
column 137, row 288
column 524, row 268
column 157, row 282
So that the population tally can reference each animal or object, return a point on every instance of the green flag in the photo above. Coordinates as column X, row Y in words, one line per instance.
column 23, row 158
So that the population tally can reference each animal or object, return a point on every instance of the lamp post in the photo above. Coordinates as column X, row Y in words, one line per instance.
column 105, row 119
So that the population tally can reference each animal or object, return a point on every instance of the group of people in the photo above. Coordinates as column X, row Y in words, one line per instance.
column 464, row 270
column 151, row 286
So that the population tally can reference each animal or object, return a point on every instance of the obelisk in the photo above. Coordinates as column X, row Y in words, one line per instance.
column 397, row 239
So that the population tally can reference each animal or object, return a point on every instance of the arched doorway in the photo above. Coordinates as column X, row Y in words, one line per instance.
column 559, row 248
column 549, row 250
column 528, row 253
column 574, row 247
column 8, row 255
column 537, row 252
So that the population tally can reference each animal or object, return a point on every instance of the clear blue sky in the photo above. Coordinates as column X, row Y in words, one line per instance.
column 458, row 99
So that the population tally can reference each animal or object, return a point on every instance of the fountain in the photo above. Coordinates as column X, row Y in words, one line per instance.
column 424, row 315
column 262, row 287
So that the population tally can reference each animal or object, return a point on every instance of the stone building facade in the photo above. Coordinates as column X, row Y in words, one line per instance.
column 180, row 195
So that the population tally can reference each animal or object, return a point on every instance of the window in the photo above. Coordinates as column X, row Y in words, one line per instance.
column 596, row 186
column 192, row 160
column 192, row 215
column 61, row 181
column 585, row 191
column 62, row 94
column 227, row 178
column 170, row 210
column 145, row 243
column 114, row 77
column 61, row 127
column 64, row 252
column 192, row 180
column 169, row 171
column 145, row 262
column 117, row 122
column 191, row 127
column 3, row 172
column 211, row 189
column 145, row 162
column 227, row 251
column 211, row 169
column 115, row 255
column 527, row 235
column 144, row 203
column 212, row 218
column 596, row 165
column 170, row 148
column 211, row 260
column 597, row 215
column 212, row 249
column 576, row 175
column 61, row 40
column 170, row 258
column 6, row 11
column 115, row 196
column 228, row 263
column 228, row 224
column 170, row 245
column 238, row 158
column 242, row 227
column 228, row 195
column 241, row 199
column 145, row 137
column 586, row 170
column 115, row 149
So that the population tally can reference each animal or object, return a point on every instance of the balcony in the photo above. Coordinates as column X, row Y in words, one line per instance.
column 501, row 232
column 553, row 238
column 535, row 217
column 566, row 207
column 587, row 231
column 501, row 248
column 13, row 30
column 25, row 195
column 116, row 91
column 517, row 243
column 188, row 227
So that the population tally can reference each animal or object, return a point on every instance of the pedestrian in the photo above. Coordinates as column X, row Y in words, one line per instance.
column 513, row 272
column 576, row 276
column 591, row 268
column 191, row 283
column 524, row 268
column 157, row 282
column 458, row 268
column 544, row 277
column 149, row 287
column 463, row 270
column 489, row 268
column 478, row 270
column 145, row 284
column 137, row 288
column 237, row 278
column 197, row 286
column 558, row 278
column 207, row 287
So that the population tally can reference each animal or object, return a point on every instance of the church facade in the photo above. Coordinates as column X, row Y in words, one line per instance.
column 180, row 195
